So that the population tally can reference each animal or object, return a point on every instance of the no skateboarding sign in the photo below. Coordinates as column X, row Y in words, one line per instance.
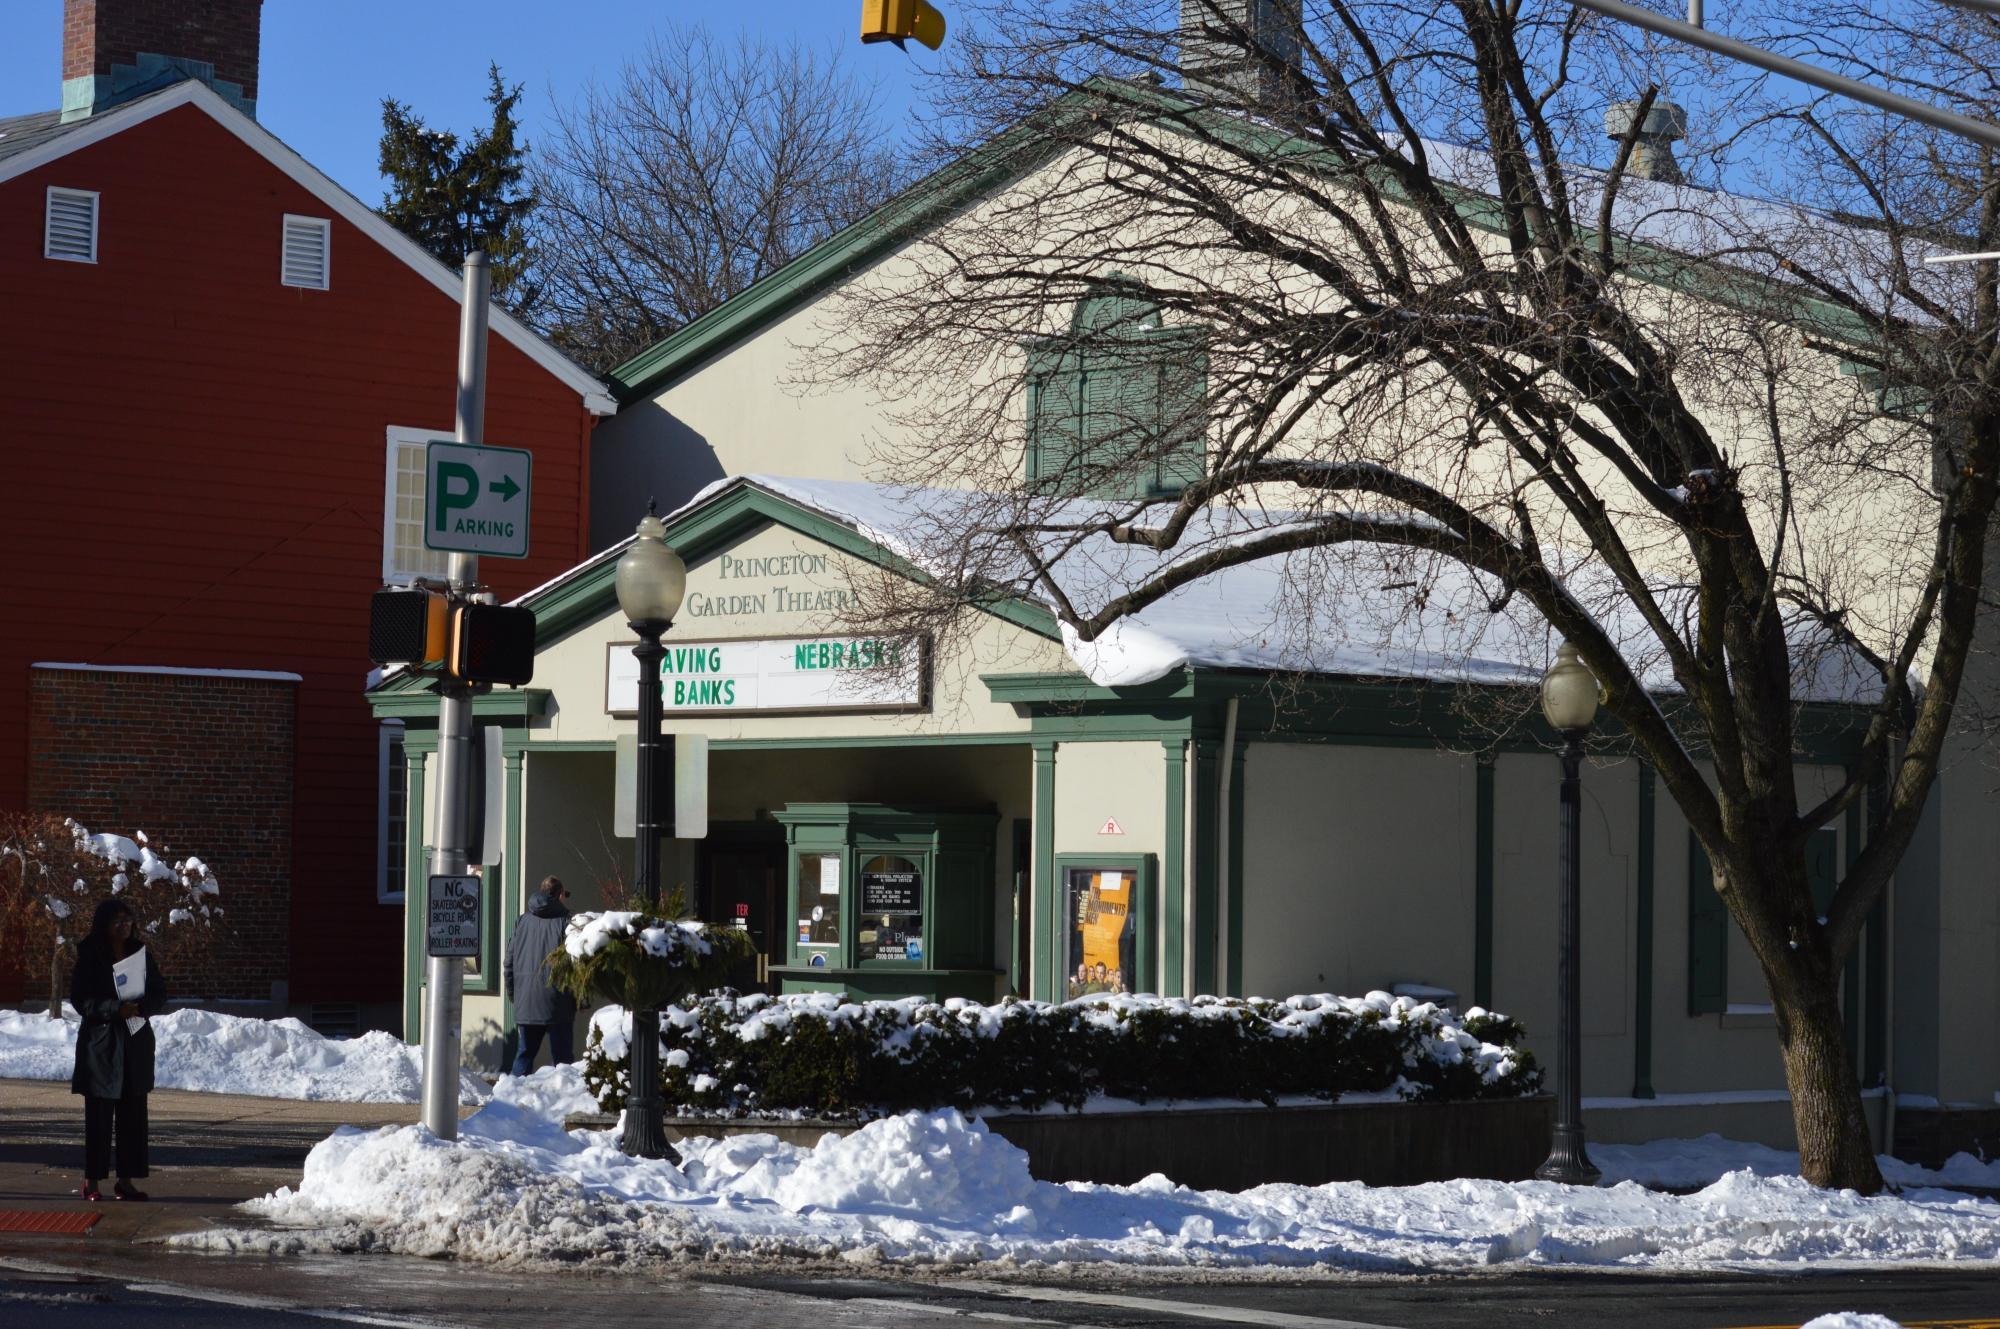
column 452, row 921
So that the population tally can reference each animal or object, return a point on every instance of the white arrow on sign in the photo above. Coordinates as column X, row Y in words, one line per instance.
column 476, row 499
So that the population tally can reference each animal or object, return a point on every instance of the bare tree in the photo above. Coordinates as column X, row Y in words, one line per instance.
column 1440, row 348
column 702, row 167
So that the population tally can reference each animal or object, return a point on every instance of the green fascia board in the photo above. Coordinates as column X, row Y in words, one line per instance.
column 1007, row 157
column 1327, row 708
column 418, row 702
column 1014, row 153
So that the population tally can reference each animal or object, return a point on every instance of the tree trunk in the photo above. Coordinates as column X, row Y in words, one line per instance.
column 1835, row 1148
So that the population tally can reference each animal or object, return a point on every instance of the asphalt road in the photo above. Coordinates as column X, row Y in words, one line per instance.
column 117, row 1287
column 215, row 1150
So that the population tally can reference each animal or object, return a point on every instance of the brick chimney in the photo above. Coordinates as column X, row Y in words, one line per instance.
column 116, row 50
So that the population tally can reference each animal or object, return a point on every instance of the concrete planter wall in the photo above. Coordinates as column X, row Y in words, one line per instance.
column 1233, row 1149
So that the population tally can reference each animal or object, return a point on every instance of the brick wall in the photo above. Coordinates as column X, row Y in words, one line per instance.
column 202, row 764
column 99, row 33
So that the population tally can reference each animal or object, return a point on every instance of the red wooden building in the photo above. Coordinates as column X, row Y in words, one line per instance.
column 217, row 370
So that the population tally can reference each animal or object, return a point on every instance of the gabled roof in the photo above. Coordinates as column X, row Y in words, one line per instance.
column 32, row 141
column 1660, row 225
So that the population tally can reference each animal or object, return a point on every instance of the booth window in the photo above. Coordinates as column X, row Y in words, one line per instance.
column 892, row 909
column 819, row 907
column 1117, row 407
column 1102, row 939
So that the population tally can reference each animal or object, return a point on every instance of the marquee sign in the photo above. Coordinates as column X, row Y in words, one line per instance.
column 769, row 674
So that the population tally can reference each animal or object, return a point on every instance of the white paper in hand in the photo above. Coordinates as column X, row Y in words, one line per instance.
column 128, row 976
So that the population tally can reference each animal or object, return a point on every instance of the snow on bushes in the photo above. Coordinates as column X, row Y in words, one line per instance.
column 634, row 959
column 826, row 1055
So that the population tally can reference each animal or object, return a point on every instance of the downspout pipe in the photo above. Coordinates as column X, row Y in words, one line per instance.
column 1223, row 790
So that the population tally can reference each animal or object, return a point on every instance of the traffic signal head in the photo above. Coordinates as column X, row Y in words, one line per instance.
column 407, row 627
column 898, row 20
column 493, row 644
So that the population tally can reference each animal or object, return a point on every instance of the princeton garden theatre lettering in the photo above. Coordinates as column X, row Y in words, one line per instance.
column 773, row 597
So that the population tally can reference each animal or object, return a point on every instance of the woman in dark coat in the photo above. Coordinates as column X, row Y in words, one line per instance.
column 114, row 1067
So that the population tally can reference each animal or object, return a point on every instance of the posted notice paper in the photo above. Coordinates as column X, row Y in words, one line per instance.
column 128, row 976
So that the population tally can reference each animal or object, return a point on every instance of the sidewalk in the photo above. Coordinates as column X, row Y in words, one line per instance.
column 209, row 1153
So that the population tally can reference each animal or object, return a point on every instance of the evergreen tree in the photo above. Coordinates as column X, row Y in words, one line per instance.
column 452, row 199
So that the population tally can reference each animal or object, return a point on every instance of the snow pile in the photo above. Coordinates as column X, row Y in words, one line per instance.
column 1852, row 1320
column 937, row 1188
column 1689, row 1164
column 228, row 1054
column 825, row 1054
column 554, row 1092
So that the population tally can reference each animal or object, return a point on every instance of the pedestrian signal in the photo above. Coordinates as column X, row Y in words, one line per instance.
column 493, row 644
column 898, row 20
column 406, row 627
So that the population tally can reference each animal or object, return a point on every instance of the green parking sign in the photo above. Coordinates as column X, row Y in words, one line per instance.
column 476, row 499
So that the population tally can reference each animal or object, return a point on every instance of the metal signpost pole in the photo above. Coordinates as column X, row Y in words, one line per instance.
column 452, row 821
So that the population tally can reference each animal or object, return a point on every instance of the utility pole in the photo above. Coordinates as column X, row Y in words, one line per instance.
column 451, row 820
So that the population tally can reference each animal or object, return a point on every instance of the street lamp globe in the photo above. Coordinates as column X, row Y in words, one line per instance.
column 651, row 577
column 1569, row 689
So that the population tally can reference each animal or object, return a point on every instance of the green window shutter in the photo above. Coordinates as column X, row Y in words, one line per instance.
column 1708, row 937
column 1182, row 367
column 1055, row 413
column 1121, row 414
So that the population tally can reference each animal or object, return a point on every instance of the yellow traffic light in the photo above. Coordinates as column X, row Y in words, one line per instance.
column 897, row 20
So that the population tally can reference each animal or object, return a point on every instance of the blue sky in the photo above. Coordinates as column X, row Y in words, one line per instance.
column 327, row 64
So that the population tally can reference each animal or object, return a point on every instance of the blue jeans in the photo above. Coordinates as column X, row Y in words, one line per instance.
column 561, row 1045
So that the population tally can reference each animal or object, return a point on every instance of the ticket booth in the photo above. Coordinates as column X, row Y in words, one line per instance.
column 889, row 901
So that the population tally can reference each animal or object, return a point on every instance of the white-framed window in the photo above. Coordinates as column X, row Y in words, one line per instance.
column 69, row 230
column 404, row 557
column 307, row 253
column 392, row 815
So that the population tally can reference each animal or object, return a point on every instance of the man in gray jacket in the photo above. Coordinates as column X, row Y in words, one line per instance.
column 540, row 1010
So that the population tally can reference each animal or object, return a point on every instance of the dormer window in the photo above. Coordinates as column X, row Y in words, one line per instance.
column 308, row 243
column 1116, row 408
column 70, row 225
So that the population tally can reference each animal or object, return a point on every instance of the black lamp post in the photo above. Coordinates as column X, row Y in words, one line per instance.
column 650, row 580
column 1569, row 703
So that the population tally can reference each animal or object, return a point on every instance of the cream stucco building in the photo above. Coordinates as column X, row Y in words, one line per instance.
column 980, row 819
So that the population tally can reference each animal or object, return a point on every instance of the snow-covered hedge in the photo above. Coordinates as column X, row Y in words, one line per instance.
column 825, row 1055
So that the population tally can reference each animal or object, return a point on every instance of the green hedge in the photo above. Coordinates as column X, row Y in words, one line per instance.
column 819, row 1054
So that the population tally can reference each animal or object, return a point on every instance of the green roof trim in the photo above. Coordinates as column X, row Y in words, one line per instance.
column 587, row 593
column 1012, row 154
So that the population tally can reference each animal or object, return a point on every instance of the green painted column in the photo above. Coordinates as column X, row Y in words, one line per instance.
column 415, row 879
column 1204, row 923
column 1874, row 1063
column 1232, row 886
column 1173, row 880
column 1482, row 882
column 513, row 892
column 1043, row 981
column 1851, row 994
column 1642, row 1015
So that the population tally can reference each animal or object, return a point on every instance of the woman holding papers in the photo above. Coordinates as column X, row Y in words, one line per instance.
column 114, row 987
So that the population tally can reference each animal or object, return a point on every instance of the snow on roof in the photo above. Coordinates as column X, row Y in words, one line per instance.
column 1356, row 611
column 266, row 675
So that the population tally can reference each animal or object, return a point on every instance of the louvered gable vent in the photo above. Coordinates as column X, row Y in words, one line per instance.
column 306, row 258
column 71, row 231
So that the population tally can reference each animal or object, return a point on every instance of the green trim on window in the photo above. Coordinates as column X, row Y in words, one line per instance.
column 1642, row 966
column 1145, row 913
column 1173, row 878
column 1708, row 937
